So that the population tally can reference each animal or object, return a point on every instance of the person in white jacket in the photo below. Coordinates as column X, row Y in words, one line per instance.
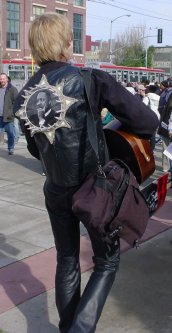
column 151, row 99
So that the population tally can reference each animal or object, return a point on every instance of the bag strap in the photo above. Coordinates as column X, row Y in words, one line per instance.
column 91, row 127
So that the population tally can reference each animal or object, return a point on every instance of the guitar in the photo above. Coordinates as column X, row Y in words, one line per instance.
column 135, row 152
column 138, row 155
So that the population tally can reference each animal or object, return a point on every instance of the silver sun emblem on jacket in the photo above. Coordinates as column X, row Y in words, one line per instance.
column 45, row 108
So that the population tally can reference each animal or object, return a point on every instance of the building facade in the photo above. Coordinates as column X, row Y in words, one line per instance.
column 92, row 50
column 15, row 19
column 162, row 58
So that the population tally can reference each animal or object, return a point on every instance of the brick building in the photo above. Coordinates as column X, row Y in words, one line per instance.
column 92, row 50
column 15, row 18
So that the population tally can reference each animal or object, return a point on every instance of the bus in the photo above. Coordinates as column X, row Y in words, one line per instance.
column 21, row 70
column 131, row 74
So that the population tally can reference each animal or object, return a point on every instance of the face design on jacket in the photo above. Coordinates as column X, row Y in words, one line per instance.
column 45, row 108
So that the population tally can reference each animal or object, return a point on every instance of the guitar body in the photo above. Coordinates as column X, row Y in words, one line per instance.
column 126, row 146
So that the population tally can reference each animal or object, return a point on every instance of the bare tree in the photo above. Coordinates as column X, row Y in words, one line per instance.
column 128, row 48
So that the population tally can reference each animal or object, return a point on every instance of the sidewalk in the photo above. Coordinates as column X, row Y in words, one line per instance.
column 140, row 300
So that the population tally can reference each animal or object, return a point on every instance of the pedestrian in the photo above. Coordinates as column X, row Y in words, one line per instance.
column 65, row 150
column 165, row 130
column 153, row 102
column 8, row 94
column 16, row 130
column 166, row 90
column 140, row 92
column 16, row 124
column 148, row 100
column 154, row 98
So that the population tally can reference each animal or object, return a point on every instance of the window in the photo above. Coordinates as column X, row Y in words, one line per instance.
column 78, row 3
column 17, row 75
column 64, row 1
column 77, row 33
column 62, row 12
column 38, row 10
column 13, row 25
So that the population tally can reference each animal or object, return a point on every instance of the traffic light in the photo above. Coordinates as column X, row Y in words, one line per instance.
column 159, row 37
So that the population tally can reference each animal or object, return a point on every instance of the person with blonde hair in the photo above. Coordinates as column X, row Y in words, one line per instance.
column 65, row 151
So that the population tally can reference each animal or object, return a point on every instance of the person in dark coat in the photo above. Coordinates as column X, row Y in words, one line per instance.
column 8, row 95
column 65, row 150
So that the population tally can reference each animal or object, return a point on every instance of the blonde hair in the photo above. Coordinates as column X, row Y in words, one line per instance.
column 49, row 38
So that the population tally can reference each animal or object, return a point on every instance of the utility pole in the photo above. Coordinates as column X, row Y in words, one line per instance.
column 110, row 40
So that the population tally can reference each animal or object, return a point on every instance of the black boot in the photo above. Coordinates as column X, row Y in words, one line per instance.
column 68, row 279
column 93, row 299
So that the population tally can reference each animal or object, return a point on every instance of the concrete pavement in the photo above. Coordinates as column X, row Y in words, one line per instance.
column 140, row 300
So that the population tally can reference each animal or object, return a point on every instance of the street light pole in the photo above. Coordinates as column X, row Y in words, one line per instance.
column 146, row 57
column 110, row 40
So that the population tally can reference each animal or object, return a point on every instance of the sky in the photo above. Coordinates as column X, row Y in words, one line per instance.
column 153, row 14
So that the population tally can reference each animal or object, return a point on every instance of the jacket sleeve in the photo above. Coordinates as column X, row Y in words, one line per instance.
column 31, row 145
column 15, row 92
column 133, row 114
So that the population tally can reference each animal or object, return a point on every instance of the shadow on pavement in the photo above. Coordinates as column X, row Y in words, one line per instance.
column 141, row 296
column 30, row 163
column 17, row 282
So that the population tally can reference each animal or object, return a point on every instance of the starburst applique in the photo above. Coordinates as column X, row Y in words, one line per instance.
column 45, row 107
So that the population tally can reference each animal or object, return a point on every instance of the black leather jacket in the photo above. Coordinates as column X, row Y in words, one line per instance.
column 69, row 159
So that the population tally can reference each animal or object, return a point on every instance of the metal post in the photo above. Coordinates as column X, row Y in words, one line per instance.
column 110, row 40
column 146, row 57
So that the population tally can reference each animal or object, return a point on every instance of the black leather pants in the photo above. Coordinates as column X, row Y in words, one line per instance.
column 78, row 314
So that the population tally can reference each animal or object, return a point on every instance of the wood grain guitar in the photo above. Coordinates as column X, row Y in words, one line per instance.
column 135, row 152
column 138, row 155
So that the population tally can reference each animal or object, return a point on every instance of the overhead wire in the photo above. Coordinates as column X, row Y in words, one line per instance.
column 131, row 11
column 136, row 7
